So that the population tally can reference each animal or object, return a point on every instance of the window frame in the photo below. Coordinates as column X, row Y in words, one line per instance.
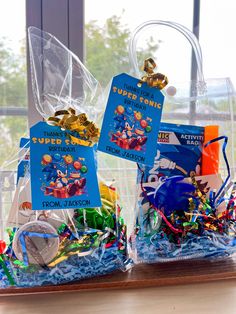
column 68, row 26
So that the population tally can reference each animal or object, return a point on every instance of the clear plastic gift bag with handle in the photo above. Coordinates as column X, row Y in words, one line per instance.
column 55, row 246
column 185, row 203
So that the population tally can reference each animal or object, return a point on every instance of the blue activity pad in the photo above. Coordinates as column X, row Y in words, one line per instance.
column 131, row 121
column 63, row 173
column 178, row 152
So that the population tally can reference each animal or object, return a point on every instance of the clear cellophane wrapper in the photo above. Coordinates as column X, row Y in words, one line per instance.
column 182, row 214
column 52, row 247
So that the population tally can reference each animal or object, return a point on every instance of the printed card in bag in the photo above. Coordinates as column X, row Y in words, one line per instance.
column 178, row 152
column 63, row 173
column 131, row 121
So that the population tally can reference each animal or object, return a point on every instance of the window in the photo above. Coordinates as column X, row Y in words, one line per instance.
column 13, row 93
column 98, row 32
column 109, row 24
column 217, row 38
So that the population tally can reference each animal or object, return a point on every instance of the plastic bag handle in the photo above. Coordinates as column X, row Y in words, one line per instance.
column 192, row 39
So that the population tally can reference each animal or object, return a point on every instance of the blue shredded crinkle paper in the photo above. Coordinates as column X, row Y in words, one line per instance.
column 158, row 248
column 72, row 269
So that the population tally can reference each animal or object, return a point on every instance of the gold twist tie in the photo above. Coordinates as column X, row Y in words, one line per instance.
column 151, row 78
column 85, row 132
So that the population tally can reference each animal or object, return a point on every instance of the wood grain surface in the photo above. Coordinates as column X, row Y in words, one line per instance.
column 143, row 275
column 205, row 298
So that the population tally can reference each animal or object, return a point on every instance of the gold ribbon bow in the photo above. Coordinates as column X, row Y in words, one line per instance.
column 153, row 79
column 85, row 132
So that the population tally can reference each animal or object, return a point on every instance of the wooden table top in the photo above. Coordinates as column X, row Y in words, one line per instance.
column 188, row 287
column 153, row 275
column 206, row 298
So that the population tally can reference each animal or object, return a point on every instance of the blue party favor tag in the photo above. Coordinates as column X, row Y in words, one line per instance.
column 63, row 174
column 131, row 121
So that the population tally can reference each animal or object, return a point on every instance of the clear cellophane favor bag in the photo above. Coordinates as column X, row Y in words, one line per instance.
column 185, row 203
column 51, row 247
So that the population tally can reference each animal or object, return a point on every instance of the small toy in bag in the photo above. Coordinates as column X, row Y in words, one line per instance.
column 63, row 223
column 185, row 207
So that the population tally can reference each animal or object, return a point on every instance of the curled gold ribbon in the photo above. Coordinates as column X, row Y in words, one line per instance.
column 151, row 78
column 85, row 132
column 198, row 192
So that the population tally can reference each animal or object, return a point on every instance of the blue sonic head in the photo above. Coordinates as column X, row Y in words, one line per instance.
column 172, row 195
column 54, row 172
column 128, row 123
